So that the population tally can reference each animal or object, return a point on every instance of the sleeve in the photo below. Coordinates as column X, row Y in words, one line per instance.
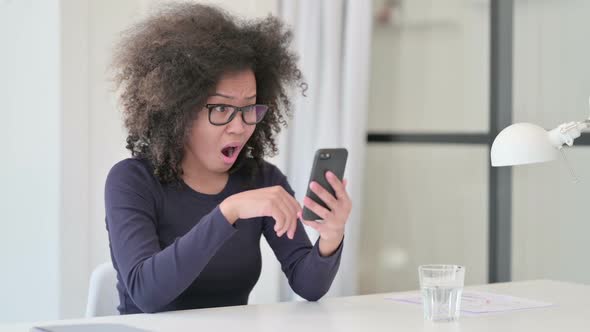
column 155, row 276
column 310, row 275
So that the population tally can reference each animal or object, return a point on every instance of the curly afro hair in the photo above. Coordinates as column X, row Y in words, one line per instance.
column 166, row 66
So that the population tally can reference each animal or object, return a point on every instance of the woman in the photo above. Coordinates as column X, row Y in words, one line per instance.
column 203, row 96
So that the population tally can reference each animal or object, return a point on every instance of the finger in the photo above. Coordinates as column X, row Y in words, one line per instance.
column 277, row 209
column 319, row 210
column 290, row 203
column 336, row 184
column 315, row 225
column 286, row 226
column 295, row 205
column 345, row 198
column 292, row 229
column 297, row 212
column 324, row 195
column 279, row 218
column 290, row 215
column 290, row 219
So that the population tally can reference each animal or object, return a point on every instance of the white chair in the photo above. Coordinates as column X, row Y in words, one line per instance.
column 103, row 297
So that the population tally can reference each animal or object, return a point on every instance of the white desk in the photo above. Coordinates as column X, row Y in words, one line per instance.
column 571, row 312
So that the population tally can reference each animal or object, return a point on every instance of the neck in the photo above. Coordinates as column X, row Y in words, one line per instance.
column 202, row 180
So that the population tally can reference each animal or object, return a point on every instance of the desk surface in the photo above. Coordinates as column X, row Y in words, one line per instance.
column 570, row 312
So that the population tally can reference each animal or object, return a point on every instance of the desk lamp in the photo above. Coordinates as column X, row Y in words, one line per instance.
column 526, row 143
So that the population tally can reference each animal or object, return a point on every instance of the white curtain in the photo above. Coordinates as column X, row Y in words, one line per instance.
column 332, row 38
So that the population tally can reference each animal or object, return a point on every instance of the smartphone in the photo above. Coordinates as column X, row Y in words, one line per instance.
column 333, row 160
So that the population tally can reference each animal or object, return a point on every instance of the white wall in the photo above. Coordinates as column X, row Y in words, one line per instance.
column 551, row 86
column 30, row 159
column 430, row 67
column 73, row 215
column 426, row 203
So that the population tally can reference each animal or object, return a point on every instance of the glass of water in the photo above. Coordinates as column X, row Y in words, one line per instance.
column 441, row 286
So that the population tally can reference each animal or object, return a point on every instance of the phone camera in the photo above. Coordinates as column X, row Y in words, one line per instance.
column 324, row 156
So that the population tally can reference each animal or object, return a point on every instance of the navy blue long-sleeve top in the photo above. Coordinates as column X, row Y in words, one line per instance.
column 173, row 249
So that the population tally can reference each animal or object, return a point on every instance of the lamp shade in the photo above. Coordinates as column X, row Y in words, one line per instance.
column 522, row 143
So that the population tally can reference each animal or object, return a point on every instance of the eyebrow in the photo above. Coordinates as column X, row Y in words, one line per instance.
column 229, row 97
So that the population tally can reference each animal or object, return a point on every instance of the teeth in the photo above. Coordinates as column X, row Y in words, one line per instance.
column 229, row 151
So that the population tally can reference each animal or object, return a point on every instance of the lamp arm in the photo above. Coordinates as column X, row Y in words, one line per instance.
column 565, row 133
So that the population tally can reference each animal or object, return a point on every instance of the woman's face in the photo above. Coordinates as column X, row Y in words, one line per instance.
column 216, row 148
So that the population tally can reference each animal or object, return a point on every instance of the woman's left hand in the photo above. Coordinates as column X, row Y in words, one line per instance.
column 331, row 230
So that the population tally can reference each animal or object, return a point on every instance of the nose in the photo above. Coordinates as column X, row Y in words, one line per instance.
column 236, row 125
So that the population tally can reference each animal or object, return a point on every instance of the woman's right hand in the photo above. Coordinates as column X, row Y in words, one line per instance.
column 273, row 202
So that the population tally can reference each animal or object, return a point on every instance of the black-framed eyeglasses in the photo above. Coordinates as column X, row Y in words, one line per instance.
column 221, row 114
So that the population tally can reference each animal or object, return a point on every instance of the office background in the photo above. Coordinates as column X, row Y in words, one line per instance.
column 426, row 194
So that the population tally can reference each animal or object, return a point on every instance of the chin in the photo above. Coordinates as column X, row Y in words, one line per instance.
column 223, row 168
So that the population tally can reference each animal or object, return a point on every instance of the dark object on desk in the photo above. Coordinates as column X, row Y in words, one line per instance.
column 88, row 328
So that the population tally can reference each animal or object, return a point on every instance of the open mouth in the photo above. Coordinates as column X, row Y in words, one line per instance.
column 230, row 153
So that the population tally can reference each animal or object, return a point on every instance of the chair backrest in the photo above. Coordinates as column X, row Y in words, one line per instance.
column 103, row 297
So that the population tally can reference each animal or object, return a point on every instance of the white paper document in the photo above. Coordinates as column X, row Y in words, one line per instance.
column 479, row 303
